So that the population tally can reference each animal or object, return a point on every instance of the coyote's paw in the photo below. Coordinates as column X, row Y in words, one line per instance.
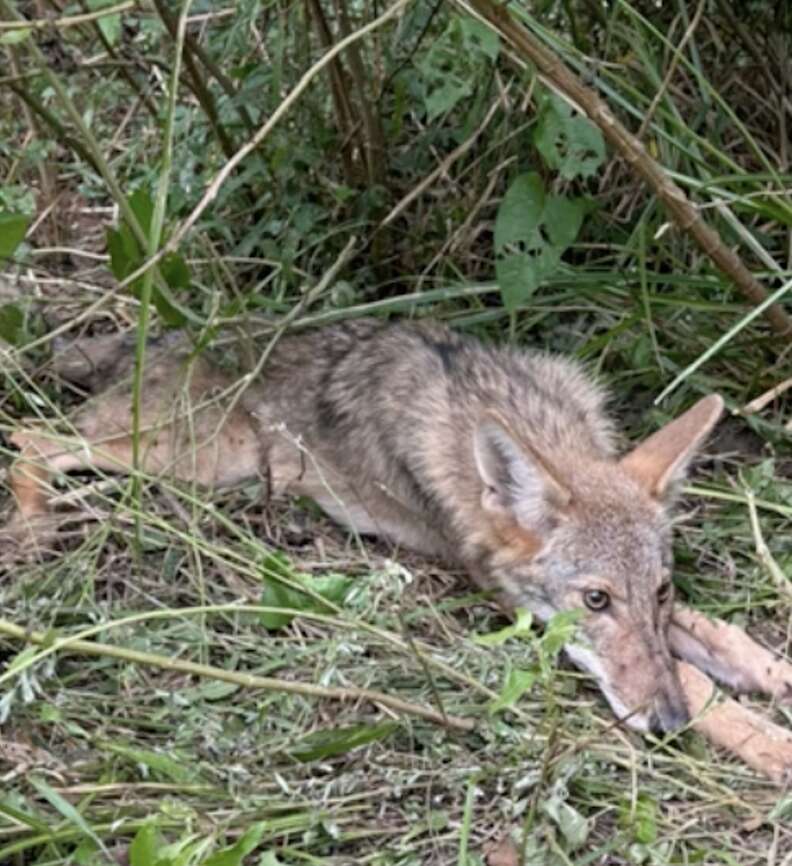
column 27, row 538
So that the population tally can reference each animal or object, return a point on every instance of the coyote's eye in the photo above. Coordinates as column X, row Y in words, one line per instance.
column 596, row 599
column 664, row 593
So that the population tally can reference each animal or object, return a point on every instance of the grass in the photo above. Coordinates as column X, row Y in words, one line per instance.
column 96, row 747
column 171, row 741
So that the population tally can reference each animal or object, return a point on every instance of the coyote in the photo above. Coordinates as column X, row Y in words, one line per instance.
column 500, row 460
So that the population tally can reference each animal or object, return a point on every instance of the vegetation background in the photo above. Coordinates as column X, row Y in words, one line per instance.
column 302, row 162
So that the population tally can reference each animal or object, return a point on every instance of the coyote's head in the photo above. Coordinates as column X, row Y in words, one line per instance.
column 581, row 532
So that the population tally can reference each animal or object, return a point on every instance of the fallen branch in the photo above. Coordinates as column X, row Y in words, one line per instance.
column 683, row 213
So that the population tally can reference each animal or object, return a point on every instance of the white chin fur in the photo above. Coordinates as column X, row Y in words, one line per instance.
column 584, row 658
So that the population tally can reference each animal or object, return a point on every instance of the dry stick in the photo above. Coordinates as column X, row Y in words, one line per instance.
column 347, row 694
column 67, row 20
column 684, row 214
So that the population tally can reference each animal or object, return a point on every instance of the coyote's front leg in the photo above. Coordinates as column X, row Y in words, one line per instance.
column 725, row 723
column 729, row 655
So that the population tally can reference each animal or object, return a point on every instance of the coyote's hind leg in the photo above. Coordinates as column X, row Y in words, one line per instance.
column 728, row 654
column 30, row 476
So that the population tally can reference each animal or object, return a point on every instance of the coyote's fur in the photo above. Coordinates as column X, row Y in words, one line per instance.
column 501, row 460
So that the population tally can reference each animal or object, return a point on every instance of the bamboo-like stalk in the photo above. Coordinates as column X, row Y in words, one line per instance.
column 682, row 212
column 251, row 681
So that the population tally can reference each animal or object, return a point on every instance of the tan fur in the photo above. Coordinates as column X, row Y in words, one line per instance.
column 500, row 460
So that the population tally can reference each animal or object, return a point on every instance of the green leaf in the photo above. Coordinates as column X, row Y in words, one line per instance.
column 64, row 807
column 478, row 36
column 168, row 311
column 12, row 232
column 234, row 855
column 124, row 251
column 573, row 826
column 337, row 741
column 444, row 97
column 563, row 218
column 520, row 212
column 518, row 278
column 516, row 684
column 559, row 631
column 520, row 628
column 572, row 145
column 145, row 846
column 143, row 208
column 14, row 37
column 175, row 271
column 12, row 324
column 275, row 593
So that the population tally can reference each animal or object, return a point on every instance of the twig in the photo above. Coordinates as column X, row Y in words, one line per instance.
column 758, row 403
column 67, row 20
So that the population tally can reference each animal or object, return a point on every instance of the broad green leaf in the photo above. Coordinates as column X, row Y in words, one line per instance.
column 478, row 35
column 234, row 855
column 573, row 826
column 143, row 208
column 560, row 630
column 572, row 145
column 444, row 97
column 563, row 218
column 275, row 593
column 12, row 324
column 175, row 270
column 518, row 277
column 124, row 251
column 14, row 37
column 12, row 232
column 520, row 628
column 338, row 741
column 517, row 683
column 520, row 212
column 168, row 311
column 145, row 846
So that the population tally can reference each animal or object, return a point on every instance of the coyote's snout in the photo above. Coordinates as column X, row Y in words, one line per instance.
column 500, row 460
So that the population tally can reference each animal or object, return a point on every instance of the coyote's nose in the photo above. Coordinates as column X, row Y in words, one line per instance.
column 669, row 714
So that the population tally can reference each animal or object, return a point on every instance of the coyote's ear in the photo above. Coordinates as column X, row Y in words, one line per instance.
column 517, row 483
column 662, row 459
